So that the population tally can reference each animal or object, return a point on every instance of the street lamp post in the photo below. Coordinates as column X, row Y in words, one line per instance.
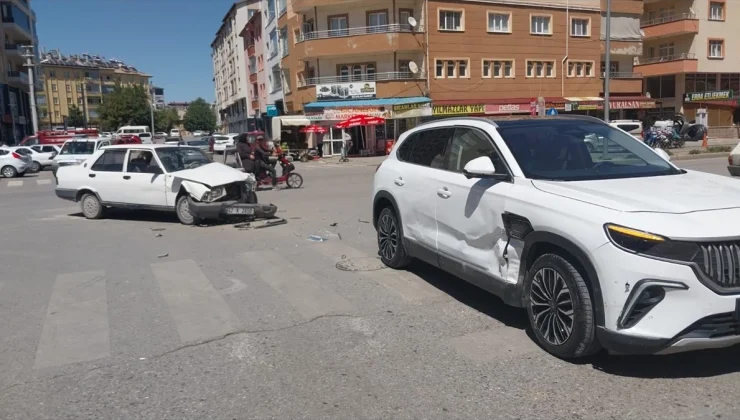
column 607, row 60
column 151, row 108
column 28, row 54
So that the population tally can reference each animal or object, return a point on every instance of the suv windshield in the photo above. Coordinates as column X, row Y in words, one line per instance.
column 78, row 148
column 178, row 158
column 576, row 150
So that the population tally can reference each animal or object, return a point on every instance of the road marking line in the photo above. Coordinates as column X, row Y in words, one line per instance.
column 43, row 181
column 302, row 291
column 198, row 310
column 494, row 344
column 15, row 183
column 76, row 326
column 403, row 283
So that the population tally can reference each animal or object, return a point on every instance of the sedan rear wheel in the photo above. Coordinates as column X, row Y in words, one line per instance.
column 92, row 208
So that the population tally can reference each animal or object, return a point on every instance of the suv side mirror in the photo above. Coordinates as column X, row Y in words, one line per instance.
column 482, row 167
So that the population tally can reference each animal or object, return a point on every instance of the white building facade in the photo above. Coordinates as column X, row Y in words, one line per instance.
column 276, row 40
column 230, row 74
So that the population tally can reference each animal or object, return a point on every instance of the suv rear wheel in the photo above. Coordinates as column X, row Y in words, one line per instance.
column 390, row 243
column 559, row 308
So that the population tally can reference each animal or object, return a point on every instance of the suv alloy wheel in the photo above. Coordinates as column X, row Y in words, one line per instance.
column 390, row 244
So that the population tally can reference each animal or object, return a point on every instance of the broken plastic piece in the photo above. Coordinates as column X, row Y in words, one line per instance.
column 333, row 224
column 273, row 222
column 163, row 255
column 157, row 229
column 316, row 238
column 159, row 235
column 362, row 221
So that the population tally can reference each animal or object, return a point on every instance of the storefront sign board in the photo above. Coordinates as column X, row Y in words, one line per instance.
column 720, row 95
column 341, row 91
column 458, row 109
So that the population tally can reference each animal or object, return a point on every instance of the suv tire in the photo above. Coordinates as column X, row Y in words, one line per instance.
column 91, row 206
column 390, row 240
column 559, row 308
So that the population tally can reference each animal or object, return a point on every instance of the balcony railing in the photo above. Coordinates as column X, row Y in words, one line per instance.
column 373, row 77
column 622, row 75
column 283, row 51
column 667, row 19
column 665, row 58
column 364, row 30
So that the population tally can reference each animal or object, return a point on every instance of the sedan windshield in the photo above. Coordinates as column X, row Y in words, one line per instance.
column 575, row 150
column 78, row 148
column 178, row 158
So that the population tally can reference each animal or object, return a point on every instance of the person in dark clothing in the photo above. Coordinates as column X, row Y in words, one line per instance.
column 262, row 154
column 244, row 150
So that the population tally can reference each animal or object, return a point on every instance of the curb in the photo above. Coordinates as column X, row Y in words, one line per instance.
column 701, row 156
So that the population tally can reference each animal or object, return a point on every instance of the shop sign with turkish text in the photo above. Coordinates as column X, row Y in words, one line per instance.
column 458, row 109
column 632, row 104
column 341, row 114
column 720, row 95
column 416, row 110
column 507, row 109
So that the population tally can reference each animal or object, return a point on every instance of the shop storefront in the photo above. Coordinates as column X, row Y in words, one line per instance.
column 713, row 109
column 340, row 101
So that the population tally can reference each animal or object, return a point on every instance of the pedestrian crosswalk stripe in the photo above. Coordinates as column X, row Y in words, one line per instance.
column 76, row 326
column 198, row 310
column 403, row 283
column 15, row 183
column 43, row 181
column 302, row 291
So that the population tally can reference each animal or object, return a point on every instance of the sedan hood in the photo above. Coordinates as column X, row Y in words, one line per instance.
column 685, row 193
column 213, row 175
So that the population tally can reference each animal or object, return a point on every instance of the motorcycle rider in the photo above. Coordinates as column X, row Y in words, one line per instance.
column 262, row 154
column 244, row 149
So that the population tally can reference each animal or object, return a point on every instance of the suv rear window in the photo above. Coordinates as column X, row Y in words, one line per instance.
column 78, row 148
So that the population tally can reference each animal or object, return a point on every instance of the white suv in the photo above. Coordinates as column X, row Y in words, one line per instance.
column 617, row 249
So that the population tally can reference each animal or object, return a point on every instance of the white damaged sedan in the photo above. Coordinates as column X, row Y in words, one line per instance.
column 161, row 177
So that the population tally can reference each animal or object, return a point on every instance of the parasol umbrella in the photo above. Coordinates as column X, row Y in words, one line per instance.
column 313, row 128
column 360, row 120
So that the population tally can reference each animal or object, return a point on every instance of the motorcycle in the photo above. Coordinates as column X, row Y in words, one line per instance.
column 288, row 177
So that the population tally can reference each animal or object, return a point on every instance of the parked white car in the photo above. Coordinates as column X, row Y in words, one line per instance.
column 160, row 177
column 76, row 151
column 13, row 164
column 146, row 138
column 628, row 253
column 39, row 160
column 223, row 142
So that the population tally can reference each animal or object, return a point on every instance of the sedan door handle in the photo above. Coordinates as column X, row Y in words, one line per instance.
column 127, row 177
column 398, row 181
column 444, row 192
column 91, row 175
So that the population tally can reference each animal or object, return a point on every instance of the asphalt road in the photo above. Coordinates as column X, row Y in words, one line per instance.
column 107, row 319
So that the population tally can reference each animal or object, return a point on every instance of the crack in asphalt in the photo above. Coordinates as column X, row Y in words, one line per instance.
column 196, row 344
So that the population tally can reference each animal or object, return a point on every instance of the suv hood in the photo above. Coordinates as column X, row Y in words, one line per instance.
column 685, row 193
column 213, row 175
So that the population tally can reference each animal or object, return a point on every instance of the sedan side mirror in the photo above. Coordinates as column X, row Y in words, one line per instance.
column 482, row 167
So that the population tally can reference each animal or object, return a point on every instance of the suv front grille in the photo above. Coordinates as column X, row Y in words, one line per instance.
column 713, row 326
column 720, row 263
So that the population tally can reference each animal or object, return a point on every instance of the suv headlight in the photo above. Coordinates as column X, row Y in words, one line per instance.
column 650, row 245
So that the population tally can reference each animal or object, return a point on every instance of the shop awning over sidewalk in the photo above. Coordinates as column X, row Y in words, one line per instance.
column 367, row 102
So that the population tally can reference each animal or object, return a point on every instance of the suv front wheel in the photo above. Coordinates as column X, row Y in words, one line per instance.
column 390, row 240
column 559, row 308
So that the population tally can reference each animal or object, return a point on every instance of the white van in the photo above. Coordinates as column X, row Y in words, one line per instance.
column 131, row 129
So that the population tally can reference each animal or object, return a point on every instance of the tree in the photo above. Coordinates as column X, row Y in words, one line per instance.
column 76, row 118
column 200, row 116
column 165, row 119
column 125, row 106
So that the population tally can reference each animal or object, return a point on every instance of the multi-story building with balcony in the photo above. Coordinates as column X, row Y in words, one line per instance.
column 19, row 31
column 689, row 60
column 276, row 47
column 255, row 53
column 82, row 80
column 353, row 57
column 229, row 67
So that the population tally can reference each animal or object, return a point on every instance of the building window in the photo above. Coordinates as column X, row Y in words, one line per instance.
column 716, row 10
column 580, row 27
column 403, row 17
column 53, row 87
column 66, row 75
column 580, row 69
column 666, row 50
column 716, row 48
column 69, row 101
column 338, row 25
column 540, row 25
column 376, row 20
column 69, row 88
column 452, row 68
column 52, row 74
column 664, row 86
column 359, row 71
column 277, row 83
column 499, row 22
column 613, row 66
column 56, row 114
column 370, row 71
column 79, row 101
column 56, row 101
column 451, row 20
column 537, row 68
column 403, row 66
column 498, row 68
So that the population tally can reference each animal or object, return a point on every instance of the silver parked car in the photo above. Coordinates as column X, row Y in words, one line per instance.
column 13, row 164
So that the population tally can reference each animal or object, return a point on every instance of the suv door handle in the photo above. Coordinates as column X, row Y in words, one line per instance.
column 444, row 192
column 91, row 175
column 127, row 177
column 398, row 181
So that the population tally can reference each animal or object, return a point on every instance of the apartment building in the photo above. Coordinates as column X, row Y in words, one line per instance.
column 229, row 67
column 276, row 48
column 356, row 57
column 19, row 31
column 690, row 59
column 82, row 80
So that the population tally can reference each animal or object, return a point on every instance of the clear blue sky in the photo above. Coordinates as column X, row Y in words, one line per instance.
column 169, row 39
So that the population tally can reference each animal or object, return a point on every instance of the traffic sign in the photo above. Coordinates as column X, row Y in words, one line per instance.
column 552, row 111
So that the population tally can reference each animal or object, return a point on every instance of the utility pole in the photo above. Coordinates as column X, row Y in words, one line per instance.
column 607, row 61
column 151, row 108
column 84, row 102
column 28, row 54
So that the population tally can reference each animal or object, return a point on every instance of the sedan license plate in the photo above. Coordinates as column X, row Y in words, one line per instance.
column 240, row 210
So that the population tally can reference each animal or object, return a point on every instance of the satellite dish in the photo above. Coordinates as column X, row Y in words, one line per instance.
column 412, row 22
column 413, row 68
